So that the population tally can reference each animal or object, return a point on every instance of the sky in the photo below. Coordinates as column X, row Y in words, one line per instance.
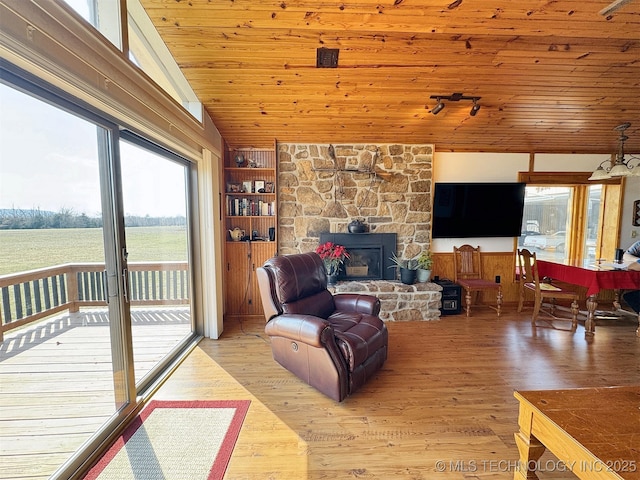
column 49, row 160
column 80, row 6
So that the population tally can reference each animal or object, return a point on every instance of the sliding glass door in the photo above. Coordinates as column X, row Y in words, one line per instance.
column 95, row 277
column 62, row 355
column 155, row 204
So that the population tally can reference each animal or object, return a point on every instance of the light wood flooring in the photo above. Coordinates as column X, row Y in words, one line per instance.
column 442, row 407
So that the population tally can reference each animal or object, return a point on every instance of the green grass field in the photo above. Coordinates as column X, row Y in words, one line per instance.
column 22, row 250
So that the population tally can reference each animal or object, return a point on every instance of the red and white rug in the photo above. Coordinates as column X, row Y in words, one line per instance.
column 175, row 440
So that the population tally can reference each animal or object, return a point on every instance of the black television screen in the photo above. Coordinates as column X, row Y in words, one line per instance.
column 463, row 210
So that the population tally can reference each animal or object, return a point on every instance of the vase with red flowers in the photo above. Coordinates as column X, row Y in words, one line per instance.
column 333, row 256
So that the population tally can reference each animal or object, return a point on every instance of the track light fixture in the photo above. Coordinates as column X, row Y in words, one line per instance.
column 438, row 108
column 455, row 97
column 619, row 167
column 474, row 108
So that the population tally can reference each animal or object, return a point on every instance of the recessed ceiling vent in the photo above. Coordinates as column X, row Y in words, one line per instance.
column 327, row 57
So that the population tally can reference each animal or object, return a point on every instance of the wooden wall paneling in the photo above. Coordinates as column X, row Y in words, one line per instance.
column 503, row 264
column 493, row 264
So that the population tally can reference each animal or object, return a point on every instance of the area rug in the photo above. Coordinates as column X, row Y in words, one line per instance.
column 175, row 440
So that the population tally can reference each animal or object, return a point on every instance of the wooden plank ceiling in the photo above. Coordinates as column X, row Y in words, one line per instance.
column 554, row 75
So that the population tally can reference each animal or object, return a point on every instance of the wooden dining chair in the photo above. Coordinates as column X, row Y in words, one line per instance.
column 529, row 280
column 468, row 274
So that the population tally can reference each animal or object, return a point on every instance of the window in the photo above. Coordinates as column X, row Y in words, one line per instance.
column 146, row 48
column 148, row 51
column 545, row 217
column 569, row 218
column 104, row 15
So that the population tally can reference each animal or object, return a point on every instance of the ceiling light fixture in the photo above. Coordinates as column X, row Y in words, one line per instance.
column 455, row 97
column 618, row 167
column 474, row 108
column 438, row 108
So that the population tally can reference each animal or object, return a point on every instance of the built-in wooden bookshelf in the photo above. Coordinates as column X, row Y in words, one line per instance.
column 251, row 224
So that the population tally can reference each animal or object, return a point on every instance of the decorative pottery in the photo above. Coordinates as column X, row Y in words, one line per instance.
column 357, row 226
column 236, row 234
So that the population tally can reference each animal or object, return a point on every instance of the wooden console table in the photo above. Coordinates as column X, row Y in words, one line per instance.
column 595, row 432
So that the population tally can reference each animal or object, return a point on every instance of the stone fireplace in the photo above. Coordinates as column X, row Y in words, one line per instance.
column 386, row 186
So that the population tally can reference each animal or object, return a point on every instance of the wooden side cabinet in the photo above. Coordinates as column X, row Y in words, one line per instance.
column 250, row 224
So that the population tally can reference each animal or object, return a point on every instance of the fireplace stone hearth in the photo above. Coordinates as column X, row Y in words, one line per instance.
column 399, row 302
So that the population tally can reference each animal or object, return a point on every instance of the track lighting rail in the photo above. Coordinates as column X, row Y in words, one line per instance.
column 455, row 97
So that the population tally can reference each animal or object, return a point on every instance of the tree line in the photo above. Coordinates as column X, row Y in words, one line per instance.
column 21, row 219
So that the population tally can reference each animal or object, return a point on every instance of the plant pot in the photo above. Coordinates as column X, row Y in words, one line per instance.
column 423, row 275
column 407, row 276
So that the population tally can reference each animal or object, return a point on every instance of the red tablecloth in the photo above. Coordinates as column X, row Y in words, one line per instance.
column 593, row 277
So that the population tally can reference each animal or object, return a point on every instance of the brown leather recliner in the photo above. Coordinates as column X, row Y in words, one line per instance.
column 335, row 343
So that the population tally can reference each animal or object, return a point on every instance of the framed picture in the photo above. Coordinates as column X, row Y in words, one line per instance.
column 247, row 186
column 233, row 187
column 268, row 187
column 258, row 186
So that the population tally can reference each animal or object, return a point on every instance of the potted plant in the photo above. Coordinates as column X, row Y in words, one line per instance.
column 333, row 256
column 425, row 262
column 407, row 267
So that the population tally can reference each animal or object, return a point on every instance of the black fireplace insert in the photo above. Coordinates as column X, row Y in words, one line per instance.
column 369, row 255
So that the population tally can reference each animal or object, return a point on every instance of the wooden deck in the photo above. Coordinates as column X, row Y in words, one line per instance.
column 445, row 394
column 56, row 385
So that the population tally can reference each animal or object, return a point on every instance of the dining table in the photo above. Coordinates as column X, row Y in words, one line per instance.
column 594, row 276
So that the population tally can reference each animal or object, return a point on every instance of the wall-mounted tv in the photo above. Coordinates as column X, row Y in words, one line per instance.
column 462, row 210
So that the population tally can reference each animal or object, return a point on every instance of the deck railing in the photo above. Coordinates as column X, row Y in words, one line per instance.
column 30, row 296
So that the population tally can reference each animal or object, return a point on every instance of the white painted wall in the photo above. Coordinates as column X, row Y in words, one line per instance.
column 545, row 162
column 504, row 167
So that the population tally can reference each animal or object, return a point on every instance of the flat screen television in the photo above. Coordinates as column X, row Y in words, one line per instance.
column 462, row 210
